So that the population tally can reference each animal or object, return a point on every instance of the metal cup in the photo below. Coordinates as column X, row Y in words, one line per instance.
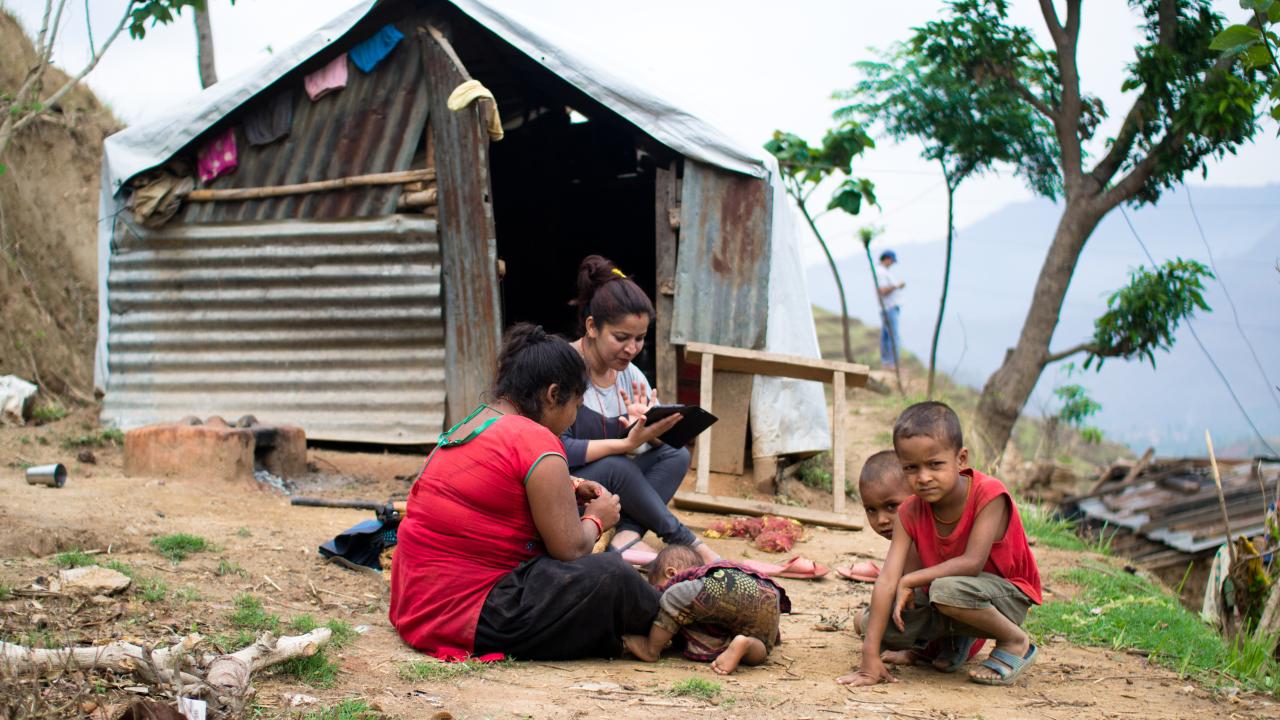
column 54, row 476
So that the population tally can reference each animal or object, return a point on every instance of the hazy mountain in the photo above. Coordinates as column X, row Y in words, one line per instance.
column 994, row 269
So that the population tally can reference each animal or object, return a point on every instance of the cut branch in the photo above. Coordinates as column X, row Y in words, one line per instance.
column 1082, row 347
column 270, row 191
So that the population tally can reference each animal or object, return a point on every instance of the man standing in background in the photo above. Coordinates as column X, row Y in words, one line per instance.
column 891, row 300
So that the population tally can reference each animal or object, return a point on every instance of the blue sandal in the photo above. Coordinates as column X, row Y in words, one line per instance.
column 956, row 648
column 1007, row 667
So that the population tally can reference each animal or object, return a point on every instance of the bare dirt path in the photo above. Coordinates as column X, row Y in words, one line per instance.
column 266, row 548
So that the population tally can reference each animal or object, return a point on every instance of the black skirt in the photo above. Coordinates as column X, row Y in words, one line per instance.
column 552, row 610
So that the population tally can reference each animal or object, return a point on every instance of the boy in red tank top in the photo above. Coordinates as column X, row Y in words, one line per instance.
column 959, row 566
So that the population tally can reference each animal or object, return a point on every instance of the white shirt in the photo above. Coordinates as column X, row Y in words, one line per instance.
column 888, row 280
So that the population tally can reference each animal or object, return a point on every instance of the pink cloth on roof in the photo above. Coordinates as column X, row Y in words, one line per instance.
column 330, row 78
column 218, row 157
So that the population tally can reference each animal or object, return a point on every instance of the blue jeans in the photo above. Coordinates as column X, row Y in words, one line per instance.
column 645, row 485
column 890, row 325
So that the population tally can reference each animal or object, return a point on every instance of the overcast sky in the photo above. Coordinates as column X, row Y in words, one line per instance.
column 748, row 66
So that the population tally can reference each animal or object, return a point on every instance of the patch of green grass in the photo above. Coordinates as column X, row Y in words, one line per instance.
column 49, row 412
column 815, row 471
column 121, row 568
column 186, row 594
column 73, row 559
column 319, row 670
column 342, row 633
column 226, row 567
column 249, row 615
column 345, row 710
column 178, row 546
column 1048, row 529
column 102, row 438
column 1121, row 611
column 439, row 671
column 152, row 590
column 243, row 532
column 231, row 643
column 695, row 688
column 6, row 592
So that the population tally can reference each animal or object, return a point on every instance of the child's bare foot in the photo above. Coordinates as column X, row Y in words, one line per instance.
column 638, row 645
column 742, row 649
column 901, row 657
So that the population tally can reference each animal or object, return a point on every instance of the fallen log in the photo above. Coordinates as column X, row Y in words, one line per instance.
column 271, row 191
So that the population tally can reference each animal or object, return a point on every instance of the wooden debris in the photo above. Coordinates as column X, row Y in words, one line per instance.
column 739, row 506
column 271, row 191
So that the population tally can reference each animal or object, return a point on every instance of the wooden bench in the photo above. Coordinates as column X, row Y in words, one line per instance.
column 841, row 375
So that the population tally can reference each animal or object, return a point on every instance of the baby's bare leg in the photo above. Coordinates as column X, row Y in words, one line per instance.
column 648, row 649
column 742, row 649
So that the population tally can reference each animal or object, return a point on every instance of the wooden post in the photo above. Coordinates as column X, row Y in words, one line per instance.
column 1222, row 499
column 704, row 441
column 839, row 410
column 665, row 280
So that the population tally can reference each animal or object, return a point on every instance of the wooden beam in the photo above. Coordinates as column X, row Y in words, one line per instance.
column 665, row 253
column 757, row 362
column 705, row 399
column 270, row 191
column 738, row 506
column 839, row 413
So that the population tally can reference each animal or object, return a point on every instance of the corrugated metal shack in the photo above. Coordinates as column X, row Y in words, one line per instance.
column 1165, row 514
column 373, row 313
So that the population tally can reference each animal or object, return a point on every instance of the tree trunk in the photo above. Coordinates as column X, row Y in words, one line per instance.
column 1009, row 387
column 204, row 49
column 835, row 272
column 884, row 319
column 946, row 282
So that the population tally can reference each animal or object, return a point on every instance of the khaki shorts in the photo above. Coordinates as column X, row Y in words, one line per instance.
column 924, row 623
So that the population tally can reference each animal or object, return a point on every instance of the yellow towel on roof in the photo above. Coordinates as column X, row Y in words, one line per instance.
column 470, row 91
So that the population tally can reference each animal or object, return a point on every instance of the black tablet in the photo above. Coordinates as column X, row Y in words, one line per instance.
column 695, row 420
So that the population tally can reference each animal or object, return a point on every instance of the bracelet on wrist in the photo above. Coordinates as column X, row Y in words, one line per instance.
column 597, row 522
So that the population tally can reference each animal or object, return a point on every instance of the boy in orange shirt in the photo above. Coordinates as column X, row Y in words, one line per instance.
column 960, row 540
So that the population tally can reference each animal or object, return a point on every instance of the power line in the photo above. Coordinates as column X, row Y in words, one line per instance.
column 1203, row 349
column 1234, row 313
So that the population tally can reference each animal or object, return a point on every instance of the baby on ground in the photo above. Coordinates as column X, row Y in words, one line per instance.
column 724, row 613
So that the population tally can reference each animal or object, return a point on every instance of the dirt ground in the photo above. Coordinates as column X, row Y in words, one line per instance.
column 270, row 548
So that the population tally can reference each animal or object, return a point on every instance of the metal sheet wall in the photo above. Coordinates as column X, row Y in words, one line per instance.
column 722, row 268
column 335, row 327
column 372, row 125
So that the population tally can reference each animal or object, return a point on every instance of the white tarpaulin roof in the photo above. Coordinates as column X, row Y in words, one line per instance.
column 788, row 416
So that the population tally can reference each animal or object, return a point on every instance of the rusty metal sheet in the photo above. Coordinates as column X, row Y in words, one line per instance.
column 468, row 243
column 372, row 125
column 336, row 327
column 722, row 269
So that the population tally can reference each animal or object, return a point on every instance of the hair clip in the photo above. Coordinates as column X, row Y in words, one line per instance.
column 619, row 273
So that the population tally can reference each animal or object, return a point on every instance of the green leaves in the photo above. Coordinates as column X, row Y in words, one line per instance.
column 805, row 166
column 850, row 195
column 1143, row 316
column 1235, row 37
column 158, row 12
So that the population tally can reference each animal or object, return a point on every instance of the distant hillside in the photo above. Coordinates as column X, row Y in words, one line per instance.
column 48, row 232
column 996, row 263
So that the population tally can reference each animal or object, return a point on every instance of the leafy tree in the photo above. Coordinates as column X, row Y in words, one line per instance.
column 1077, row 408
column 804, row 168
column 1191, row 103
column 1257, row 45
column 910, row 95
column 23, row 106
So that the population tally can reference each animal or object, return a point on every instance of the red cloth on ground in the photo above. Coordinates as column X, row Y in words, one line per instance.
column 467, row 525
column 1010, row 556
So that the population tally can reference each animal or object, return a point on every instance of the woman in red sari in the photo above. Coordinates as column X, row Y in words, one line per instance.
column 494, row 552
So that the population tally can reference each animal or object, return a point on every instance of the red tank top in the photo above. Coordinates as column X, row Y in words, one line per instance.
column 467, row 525
column 1010, row 556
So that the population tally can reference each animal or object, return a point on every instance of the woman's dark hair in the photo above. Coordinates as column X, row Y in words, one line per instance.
column 531, row 361
column 607, row 294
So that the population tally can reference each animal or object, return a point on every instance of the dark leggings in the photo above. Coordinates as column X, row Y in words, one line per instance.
column 645, row 485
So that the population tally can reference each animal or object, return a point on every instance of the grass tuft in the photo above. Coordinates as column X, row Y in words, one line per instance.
column 249, row 615
column 121, row 568
column 1050, row 529
column 226, row 567
column 6, row 592
column 345, row 710
column 110, row 436
column 152, row 590
column 319, row 670
column 47, row 413
column 695, row 688
column 439, row 670
column 1117, row 610
column 73, row 559
column 178, row 546
column 342, row 635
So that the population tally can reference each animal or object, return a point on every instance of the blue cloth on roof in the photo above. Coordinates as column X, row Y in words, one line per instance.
column 369, row 53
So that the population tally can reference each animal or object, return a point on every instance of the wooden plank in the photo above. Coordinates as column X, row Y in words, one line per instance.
column 839, row 414
column 665, row 278
column 468, row 244
column 705, row 399
column 738, row 506
column 757, row 362
column 271, row 191
column 733, row 404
